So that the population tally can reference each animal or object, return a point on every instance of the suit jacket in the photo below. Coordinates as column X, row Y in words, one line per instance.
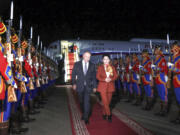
column 103, row 86
column 79, row 78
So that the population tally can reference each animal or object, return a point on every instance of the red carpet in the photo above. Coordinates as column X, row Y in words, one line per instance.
column 121, row 124
column 98, row 126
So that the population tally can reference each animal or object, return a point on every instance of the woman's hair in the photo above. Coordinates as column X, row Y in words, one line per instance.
column 106, row 55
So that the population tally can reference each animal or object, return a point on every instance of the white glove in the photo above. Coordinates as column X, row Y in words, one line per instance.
column 140, row 66
column 30, row 62
column 37, row 64
column 25, row 79
column 138, row 77
column 153, row 66
column 21, row 59
column 170, row 64
column 150, row 77
column 10, row 57
column 15, row 86
column 166, row 78
column 130, row 67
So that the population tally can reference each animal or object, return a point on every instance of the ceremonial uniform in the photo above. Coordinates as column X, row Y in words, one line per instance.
column 135, row 78
column 161, row 74
column 117, row 82
column 6, row 73
column 160, row 69
column 128, row 79
column 147, row 80
column 21, row 91
column 175, row 68
column 123, row 79
column 7, row 94
column 176, row 77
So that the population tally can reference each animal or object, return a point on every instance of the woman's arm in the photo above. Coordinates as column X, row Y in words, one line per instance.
column 94, row 77
column 99, row 75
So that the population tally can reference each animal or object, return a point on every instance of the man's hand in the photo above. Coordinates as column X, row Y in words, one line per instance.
column 74, row 87
column 94, row 90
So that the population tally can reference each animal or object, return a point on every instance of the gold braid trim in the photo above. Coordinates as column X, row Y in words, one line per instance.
column 11, row 94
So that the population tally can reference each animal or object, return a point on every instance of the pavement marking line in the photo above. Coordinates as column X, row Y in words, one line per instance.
column 79, row 126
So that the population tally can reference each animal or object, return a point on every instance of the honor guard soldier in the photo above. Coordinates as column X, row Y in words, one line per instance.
column 174, row 66
column 20, row 80
column 117, row 82
column 128, row 79
column 122, row 77
column 7, row 83
column 160, row 70
column 135, row 78
column 147, row 79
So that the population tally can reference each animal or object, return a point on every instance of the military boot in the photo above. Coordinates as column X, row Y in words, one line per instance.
column 4, row 128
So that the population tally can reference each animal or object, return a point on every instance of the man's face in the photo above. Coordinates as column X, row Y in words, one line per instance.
column 156, row 52
column 144, row 55
column 134, row 58
column 175, row 50
column 127, row 59
column 86, row 57
column 115, row 61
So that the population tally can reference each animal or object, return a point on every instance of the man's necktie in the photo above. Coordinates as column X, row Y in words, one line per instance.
column 85, row 68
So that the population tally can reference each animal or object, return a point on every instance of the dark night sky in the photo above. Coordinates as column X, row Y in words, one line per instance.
column 98, row 19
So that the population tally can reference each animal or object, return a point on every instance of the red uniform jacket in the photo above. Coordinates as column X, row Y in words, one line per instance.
column 147, row 70
column 161, row 64
column 34, row 71
column 103, row 86
column 6, row 73
column 28, row 68
column 126, row 72
column 135, row 69
column 176, row 70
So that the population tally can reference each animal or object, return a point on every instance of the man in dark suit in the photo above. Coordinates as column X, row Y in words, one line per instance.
column 84, row 82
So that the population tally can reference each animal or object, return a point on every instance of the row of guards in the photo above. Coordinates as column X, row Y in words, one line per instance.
column 151, row 80
column 25, row 75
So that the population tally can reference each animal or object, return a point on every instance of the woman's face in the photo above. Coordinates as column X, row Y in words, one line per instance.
column 106, row 60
